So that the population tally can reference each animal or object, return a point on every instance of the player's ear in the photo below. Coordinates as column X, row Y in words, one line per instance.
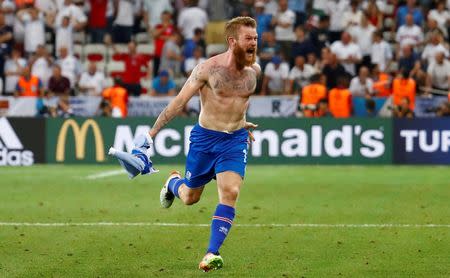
column 231, row 41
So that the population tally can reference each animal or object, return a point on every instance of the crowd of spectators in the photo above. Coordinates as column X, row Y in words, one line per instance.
column 327, row 52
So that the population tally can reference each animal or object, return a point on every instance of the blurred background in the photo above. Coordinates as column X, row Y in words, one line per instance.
column 319, row 58
column 360, row 83
column 372, row 62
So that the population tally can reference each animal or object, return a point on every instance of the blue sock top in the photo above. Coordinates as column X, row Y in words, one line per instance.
column 225, row 211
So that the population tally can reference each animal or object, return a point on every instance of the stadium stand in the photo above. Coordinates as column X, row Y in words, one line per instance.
column 142, row 38
column 95, row 52
column 413, row 34
column 115, row 68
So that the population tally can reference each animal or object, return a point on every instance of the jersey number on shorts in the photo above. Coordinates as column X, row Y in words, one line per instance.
column 245, row 155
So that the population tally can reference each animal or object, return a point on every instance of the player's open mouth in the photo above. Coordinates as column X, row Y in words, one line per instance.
column 250, row 51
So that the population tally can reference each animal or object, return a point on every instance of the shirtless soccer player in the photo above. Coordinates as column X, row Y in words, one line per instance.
column 219, row 142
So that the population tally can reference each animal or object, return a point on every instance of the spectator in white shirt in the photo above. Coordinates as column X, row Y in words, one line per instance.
column 320, row 5
column 348, row 53
column 271, row 7
column 409, row 34
column 19, row 27
column 13, row 69
column 380, row 52
column 153, row 10
column 64, row 34
column 190, row 63
column 191, row 18
column 442, row 16
column 46, row 6
column 300, row 74
column 335, row 9
column 431, row 28
column 70, row 66
column 34, row 29
column 92, row 81
column 123, row 24
column 41, row 64
column 433, row 47
column 438, row 73
column 352, row 16
column 362, row 84
column 275, row 78
column 311, row 59
column 362, row 35
column 8, row 8
column 171, row 57
column 78, row 18
column 284, row 28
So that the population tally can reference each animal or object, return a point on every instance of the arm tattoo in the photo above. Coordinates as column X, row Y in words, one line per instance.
column 161, row 121
column 195, row 75
column 175, row 106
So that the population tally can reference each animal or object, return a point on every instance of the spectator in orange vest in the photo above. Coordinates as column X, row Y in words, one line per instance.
column 340, row 99
column 404, row 86
column 312, row 94
column 381, row 82
column 118, row 99
column 28, row 85
column 402, row 110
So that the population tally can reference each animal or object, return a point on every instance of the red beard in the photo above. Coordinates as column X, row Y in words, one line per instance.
column 240, row 55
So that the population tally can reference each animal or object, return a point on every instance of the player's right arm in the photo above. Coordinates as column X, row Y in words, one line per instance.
column 196, row 81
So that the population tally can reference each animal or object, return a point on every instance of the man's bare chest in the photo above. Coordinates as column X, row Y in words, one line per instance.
column 222, row 81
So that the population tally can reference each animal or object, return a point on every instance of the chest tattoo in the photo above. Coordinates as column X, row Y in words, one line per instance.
column 222, row 79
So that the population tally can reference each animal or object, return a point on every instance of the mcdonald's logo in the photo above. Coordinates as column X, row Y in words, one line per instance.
column 80, row 140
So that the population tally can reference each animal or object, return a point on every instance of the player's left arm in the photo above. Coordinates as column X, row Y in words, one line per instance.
column 198, row 78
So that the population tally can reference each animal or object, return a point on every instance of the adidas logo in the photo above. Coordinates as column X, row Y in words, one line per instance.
column 11, row 149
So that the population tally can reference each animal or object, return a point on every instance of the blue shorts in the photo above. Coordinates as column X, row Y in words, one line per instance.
column 212, row 152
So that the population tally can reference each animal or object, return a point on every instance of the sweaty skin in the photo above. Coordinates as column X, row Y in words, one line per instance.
column 225, row 83
column 225, row 93
column 225, row 88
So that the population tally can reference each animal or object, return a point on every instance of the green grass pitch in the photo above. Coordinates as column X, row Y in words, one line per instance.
column 270, row 195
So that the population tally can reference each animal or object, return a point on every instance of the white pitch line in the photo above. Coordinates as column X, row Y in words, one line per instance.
column 105, row 174
column 159, row 224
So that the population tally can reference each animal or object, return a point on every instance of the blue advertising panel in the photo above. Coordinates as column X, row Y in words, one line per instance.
column 359, row 105
column 426, row 107
column 422, row 141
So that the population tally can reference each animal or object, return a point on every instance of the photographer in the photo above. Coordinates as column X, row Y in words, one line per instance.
column 443, row 110
column 403, row 110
